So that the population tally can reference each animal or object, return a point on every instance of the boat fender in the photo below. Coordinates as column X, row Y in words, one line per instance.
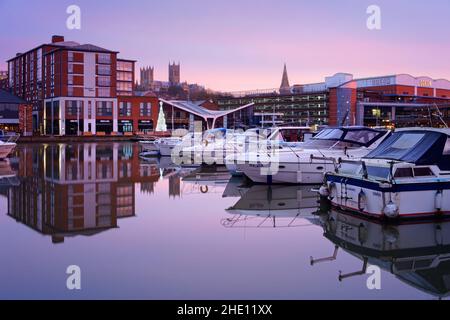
column 391, row 210
column 438, row 200
column 332, row 190
column 324, row 191
column 204, row 189
column 362, row 200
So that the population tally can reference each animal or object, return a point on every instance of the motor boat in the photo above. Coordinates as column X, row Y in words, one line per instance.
column 416, row 253
column 307, row 162
column 171, row 147
column 406, row 176
column 239, row 142
column 7, row 145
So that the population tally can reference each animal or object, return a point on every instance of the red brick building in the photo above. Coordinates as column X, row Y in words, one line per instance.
column 76, row 89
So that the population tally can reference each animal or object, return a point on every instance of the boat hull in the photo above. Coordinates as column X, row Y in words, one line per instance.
column 292, row 173
column 408, row 200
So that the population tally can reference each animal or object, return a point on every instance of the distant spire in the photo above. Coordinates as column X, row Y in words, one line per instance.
column 285, row 80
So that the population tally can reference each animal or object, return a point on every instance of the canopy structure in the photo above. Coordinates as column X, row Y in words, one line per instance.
column 210, row 116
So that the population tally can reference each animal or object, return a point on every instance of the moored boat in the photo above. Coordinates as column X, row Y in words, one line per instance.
column 407, row 176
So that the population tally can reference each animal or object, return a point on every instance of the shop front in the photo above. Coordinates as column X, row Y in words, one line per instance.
column 145, row 125
column 74, row 127
column 105, row 126
column 125, row 126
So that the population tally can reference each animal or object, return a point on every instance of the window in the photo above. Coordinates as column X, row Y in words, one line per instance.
column 145, row 109
column 70, row 57
column 124, row 76
column 70, row 79
column 70, row 70
column 104, row 92
column 447, row 148
column 70, row 91
column 423, row 172
column 104, row 108
column 104, row 70
column 403, row 173
column 73, row 108
column 124, row 66
column 125, row 109
column 104, row 58
column 104, row 81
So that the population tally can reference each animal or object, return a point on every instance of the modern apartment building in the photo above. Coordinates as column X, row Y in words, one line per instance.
column 75, row 88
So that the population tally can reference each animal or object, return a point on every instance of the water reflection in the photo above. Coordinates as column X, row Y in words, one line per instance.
column 416, row 253
column 78, row 189
column 198, row 230
column 263, row 206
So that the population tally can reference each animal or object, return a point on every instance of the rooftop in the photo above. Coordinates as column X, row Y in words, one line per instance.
column 7, row 97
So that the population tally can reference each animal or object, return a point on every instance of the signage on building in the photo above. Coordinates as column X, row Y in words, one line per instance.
column 425, row 83
column 104, row 121
column 145, row 121
column 376, row 82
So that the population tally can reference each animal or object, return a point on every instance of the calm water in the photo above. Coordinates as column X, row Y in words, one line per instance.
column 147, row 229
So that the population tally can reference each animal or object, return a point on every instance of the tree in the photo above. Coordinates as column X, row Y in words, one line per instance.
column 161, row 125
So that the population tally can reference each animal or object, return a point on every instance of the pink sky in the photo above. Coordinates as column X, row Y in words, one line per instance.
column 242, row 45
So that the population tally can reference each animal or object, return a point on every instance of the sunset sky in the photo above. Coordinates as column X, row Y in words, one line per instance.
column 242, row 45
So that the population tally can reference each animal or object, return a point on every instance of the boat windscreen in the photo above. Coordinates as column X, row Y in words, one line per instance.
column 419, row 147
column 359, row 137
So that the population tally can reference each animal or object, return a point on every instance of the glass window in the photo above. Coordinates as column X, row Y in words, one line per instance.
column 378, row 172
column 404, row 173
column 104, row 108
column 447, row 148
column 104, row 58
column 361, row 136
column 125, row 109
column 145, row 109
column 423, row 172
column 104, row 70
column 329, row 134
column 104, row 81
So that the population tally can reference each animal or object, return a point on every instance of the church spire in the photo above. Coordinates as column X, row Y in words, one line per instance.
column 285, row 87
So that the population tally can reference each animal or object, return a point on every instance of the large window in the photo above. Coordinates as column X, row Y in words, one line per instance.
column 145, row 109
column 104, row 69
column 104, row 81
column 125, row 109
column 104, row 92
column 73, row 108
column 124, row 66
column 124, row 76
column 104, row 58
column 104, row 108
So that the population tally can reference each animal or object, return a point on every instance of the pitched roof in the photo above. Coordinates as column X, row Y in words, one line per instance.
column 7, row 97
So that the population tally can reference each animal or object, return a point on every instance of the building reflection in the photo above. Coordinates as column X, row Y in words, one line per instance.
column 78, row 189
column 417, row 253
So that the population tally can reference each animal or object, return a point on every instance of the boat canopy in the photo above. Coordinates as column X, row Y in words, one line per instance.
column 362, row 136
column 421, row 147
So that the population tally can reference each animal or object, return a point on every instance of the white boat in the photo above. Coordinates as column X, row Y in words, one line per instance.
column 7, row 145
column 306, row 163
column 239, row 142
column 407, row 176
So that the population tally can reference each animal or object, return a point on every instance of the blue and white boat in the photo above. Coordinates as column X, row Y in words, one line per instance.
column 406, row 176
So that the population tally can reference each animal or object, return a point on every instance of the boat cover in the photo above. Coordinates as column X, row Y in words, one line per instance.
column 416, row 146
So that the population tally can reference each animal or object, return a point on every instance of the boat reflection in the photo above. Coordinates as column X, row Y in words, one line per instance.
column 263, row 206
column 416, row 253
column 77, row 189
